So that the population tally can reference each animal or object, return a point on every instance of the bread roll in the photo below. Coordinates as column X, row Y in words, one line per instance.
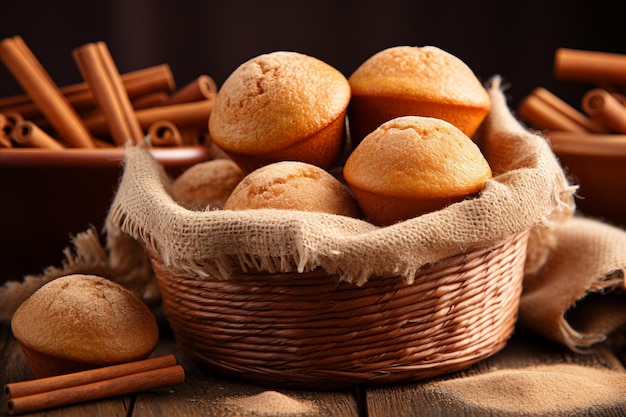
column 415, row 81
column 293, row 185
column 80, row 322
column 413, row 165
column 206, row 184
column 281, row 106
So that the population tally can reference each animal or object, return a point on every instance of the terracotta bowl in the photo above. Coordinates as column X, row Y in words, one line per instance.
column 597, row 163
column 48, row 196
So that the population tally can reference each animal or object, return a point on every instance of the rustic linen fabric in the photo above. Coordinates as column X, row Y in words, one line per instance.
column 578, row 297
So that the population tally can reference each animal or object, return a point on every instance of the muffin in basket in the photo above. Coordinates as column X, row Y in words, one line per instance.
column 415, row 81
column 413, row 165
column 292, row 185
column 206, row 185
column 281, row 106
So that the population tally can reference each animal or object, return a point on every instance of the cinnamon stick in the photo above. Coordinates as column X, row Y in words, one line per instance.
column 29, row 134
column 5, row 130
column 193, row 136
column 202, row 88
column 156, row 79
column 588, row 143
column 29, row 72
column 99, row 71
column 569, row 111
column 37, row 386
column 103, row 144
column 590, row 66
column 185, row 115
column 619, row 97
column 543, row 116
column 150, row 100
column 606, row 109
column 11, row 119
column 29, row 396
column 164, row 133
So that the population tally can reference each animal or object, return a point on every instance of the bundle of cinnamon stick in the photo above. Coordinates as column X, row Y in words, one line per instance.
column 107, row 109
column 93, row 384
column 602, row 111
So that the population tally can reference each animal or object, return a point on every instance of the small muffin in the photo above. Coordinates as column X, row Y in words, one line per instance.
column 281, row 106
column 293, row 185
column 413, row 165
column 79, row 322
column 415, row 81
column 206, row 184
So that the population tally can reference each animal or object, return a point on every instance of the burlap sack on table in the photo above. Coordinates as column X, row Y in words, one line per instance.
column 578, row 296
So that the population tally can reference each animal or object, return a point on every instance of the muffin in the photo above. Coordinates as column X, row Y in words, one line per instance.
column 415, row 81
column 79, row 322
column 281, row 106
column 206, row 184
column 413, row 165
column 293, row 185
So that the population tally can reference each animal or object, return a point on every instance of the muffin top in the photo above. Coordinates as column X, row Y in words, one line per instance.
column 422, row 73
column 206, row 184
column 86, row 318
column 414, row 156
column 276, row 100
column 292, row 185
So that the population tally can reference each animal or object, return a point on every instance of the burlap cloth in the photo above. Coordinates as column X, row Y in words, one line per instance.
column 567, row 257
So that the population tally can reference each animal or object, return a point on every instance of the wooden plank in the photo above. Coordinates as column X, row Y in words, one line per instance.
column 453, row 394
column 14, row 367
column 205, row 393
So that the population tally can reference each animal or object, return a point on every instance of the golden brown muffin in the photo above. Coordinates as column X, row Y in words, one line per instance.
column 79, row 322
column 293, row 185
column 206, row 184
column 281, row 106
column 415, row 81
column 412, row 165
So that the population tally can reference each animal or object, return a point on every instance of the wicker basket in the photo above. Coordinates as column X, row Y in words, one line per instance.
column 310, row 330
column 437, row 293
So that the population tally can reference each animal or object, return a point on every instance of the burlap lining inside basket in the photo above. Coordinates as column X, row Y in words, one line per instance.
column 529, row 191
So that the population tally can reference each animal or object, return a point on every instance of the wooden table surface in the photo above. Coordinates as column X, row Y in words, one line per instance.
column 205, row 393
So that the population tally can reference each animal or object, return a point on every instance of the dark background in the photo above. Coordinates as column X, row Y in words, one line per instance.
column 515, row 39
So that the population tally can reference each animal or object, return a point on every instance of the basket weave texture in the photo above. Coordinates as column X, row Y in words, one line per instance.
column 295, row 298
column 308, row 330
